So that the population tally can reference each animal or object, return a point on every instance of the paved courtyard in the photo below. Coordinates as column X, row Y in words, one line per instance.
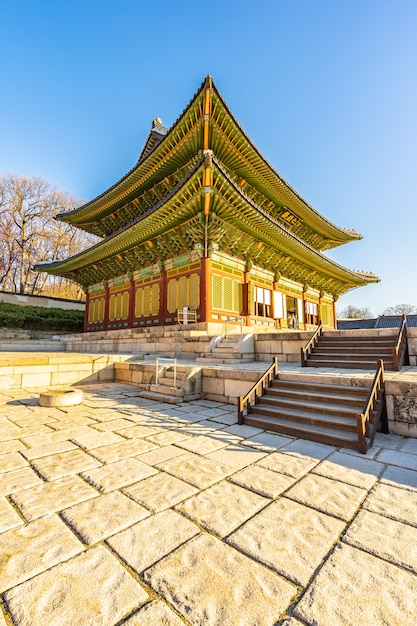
column 126, row 511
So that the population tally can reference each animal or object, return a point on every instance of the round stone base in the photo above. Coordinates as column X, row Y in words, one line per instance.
column 65, row 396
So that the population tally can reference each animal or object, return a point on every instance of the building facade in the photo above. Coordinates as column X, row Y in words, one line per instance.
column 202, row 228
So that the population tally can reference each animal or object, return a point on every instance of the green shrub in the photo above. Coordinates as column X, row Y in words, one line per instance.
column 40, row 318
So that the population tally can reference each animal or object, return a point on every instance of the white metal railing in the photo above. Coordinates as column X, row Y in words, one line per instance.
column 160, row 358
column 234, row 319
column 186, row 316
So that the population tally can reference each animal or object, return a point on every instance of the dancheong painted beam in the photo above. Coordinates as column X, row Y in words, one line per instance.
column 204, row 222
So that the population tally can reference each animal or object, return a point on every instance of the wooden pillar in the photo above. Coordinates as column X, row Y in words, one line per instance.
column 246, row 296
column 163, row 296
column 86, row 313
column 131, row 313
column 205, row 290
column 334, row 315
column 106, row 308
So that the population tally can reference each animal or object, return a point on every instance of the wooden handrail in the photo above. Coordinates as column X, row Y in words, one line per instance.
column 266, row 377
column 306, row 350
column 367, row 422
column 399, row 351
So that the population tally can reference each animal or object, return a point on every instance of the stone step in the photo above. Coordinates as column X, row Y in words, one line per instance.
column 167, row 390
column 297, row 415
column 160, row 397
column 320, row 354
column 364, row 365
column 316, row 389
column 352, row 349
column 324, row 405
column 320, row 433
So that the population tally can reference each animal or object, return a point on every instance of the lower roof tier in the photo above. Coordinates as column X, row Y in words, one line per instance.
column 207, row 210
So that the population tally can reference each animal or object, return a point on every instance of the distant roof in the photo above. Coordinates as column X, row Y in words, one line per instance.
column 383, row 321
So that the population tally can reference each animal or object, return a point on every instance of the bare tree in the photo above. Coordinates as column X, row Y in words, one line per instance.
column 29, row 234
column 353, row 312
column 400, row 309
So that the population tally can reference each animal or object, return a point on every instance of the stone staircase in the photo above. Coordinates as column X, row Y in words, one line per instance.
column 231, row 349
column 354, row 349
column 175, row 384
column 320, row 411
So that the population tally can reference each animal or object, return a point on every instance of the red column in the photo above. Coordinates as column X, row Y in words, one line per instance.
column 87, row 306
column 163, row 296
column 106, row 308
column 205, row 291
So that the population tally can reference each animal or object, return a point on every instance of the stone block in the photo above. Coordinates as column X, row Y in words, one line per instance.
column 237, row 388
column 122, row 375
column 106, row 374
column 213, row 386
column 65, row 378
column 10, row 382
column 37, row 380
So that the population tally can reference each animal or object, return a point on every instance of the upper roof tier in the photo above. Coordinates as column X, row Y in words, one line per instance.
column 232, row 221
column 205, row 124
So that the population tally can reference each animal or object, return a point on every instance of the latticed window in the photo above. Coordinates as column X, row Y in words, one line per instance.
column 326, row 314
column 184, row 292
column 119, row 306
column 96, row 310
column 227, row 294
column 147, row 301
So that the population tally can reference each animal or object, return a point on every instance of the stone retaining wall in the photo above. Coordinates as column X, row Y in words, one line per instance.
column 53, row 370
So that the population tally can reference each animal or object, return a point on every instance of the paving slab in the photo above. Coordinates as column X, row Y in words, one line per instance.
column 16, row 480
column 104, row 592
column 311, row 449
column 11, row 461
column 223, row 507
column 223, row 585
column 395, row 457
column 164, row 453
column 98, row 518
column 94, row 439
column 118, row 474
column 9, row 518
column 288, row 464
column 400, row 477
column 202, row 444
column 236, row 456
column 289, row 537
column 52, row 448
column 122, row 450
column 398, row 504
column 196, row 470
column 386, row 538
column 267, row 442
column 354, row 598
column 154, row 613
column 34, row 548
column 327, row 495
column 263, row 481
column 160, row 491
column 147, row 542
column 52, row 496
column 64, row 463
column 353, row 470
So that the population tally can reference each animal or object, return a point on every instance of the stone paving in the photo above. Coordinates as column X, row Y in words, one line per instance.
column 126, row 511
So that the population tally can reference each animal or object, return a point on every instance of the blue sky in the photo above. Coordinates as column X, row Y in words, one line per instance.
column 327, row 90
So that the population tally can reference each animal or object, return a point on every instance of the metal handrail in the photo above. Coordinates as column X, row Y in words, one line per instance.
column 399, row 351
column 234, row 319
column 310, row 344
column 160, row 358
column 261, row 384
column 367, row 421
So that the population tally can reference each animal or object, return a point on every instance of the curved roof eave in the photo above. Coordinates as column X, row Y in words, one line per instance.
column 347, row 234
column 300, row 250
column 128, row 179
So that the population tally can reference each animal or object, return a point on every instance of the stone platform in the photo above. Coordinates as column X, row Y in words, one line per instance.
column 125, row 511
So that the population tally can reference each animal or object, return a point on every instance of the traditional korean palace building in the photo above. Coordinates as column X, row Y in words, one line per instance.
column 203, row 226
